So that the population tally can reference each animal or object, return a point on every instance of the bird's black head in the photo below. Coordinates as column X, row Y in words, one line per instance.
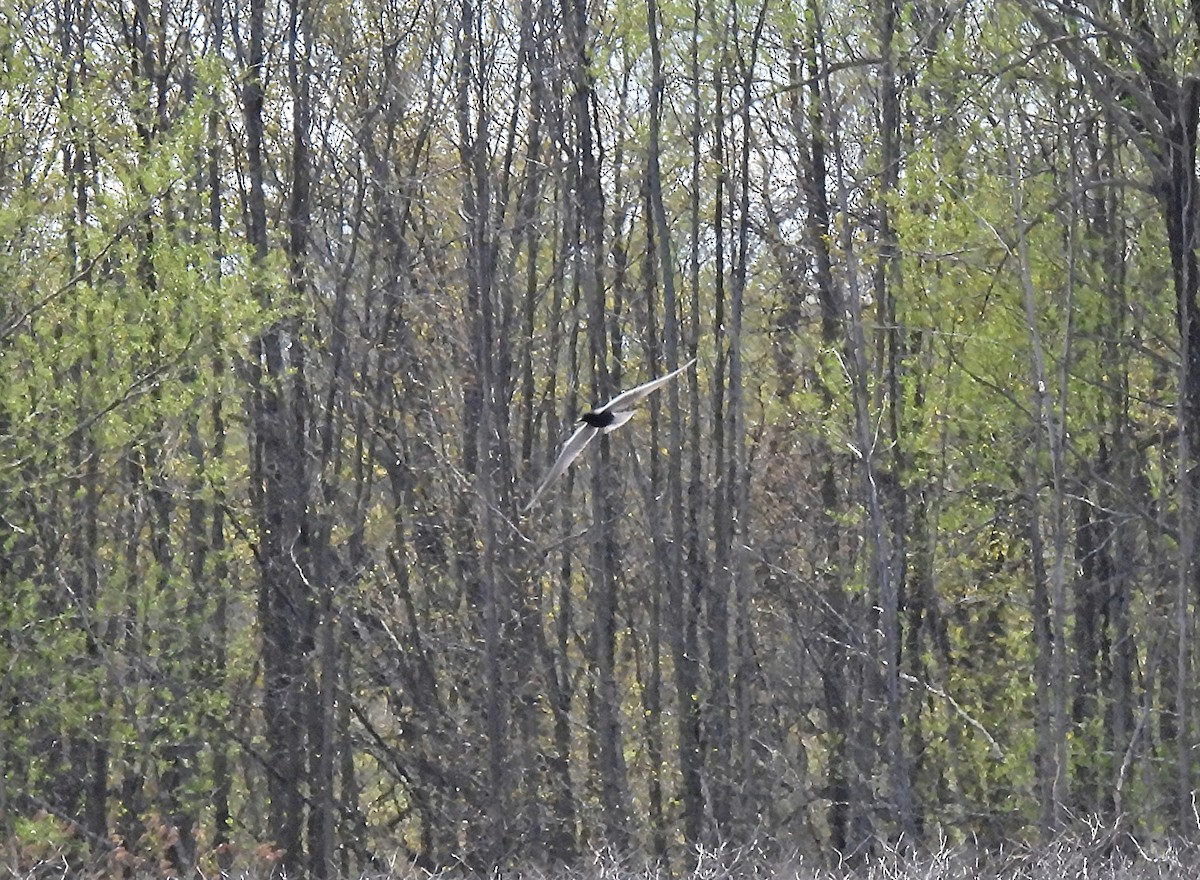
column 597, row 418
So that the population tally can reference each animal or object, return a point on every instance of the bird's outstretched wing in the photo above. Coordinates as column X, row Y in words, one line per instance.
column 570, row 452
column 636, row 395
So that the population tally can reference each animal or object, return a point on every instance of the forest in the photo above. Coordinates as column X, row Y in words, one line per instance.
column 300, row 300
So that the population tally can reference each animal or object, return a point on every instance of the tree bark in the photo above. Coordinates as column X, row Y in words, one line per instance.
column 662, row 262
column 889, row 520
column 1051, row 608
column 278, row 416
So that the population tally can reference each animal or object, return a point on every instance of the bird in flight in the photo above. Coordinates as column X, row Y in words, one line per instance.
column 605, row 418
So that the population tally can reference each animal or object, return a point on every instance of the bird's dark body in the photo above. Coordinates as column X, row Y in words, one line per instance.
column 598, row 418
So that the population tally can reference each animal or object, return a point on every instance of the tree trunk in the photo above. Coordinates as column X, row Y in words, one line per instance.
column 83, row 794
column 222, row 779
column 590, row 260
column 279, row 467
column 662, row 260
column 842, row 777
column 741, row 814
column 685, row 585
column 888, row 520
column 1049, row 594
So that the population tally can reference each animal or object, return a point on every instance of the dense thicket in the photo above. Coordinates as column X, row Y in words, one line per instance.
column 300, row 299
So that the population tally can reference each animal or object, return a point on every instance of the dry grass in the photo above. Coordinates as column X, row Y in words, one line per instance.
column 1094, row 857
column 1098, row 857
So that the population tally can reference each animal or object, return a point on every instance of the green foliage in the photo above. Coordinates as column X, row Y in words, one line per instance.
column 136, row 484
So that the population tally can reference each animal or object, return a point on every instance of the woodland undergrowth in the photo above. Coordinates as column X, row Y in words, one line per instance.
column 1101, row 855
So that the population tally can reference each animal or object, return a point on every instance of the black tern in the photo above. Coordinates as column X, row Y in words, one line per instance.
column 605, row 418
